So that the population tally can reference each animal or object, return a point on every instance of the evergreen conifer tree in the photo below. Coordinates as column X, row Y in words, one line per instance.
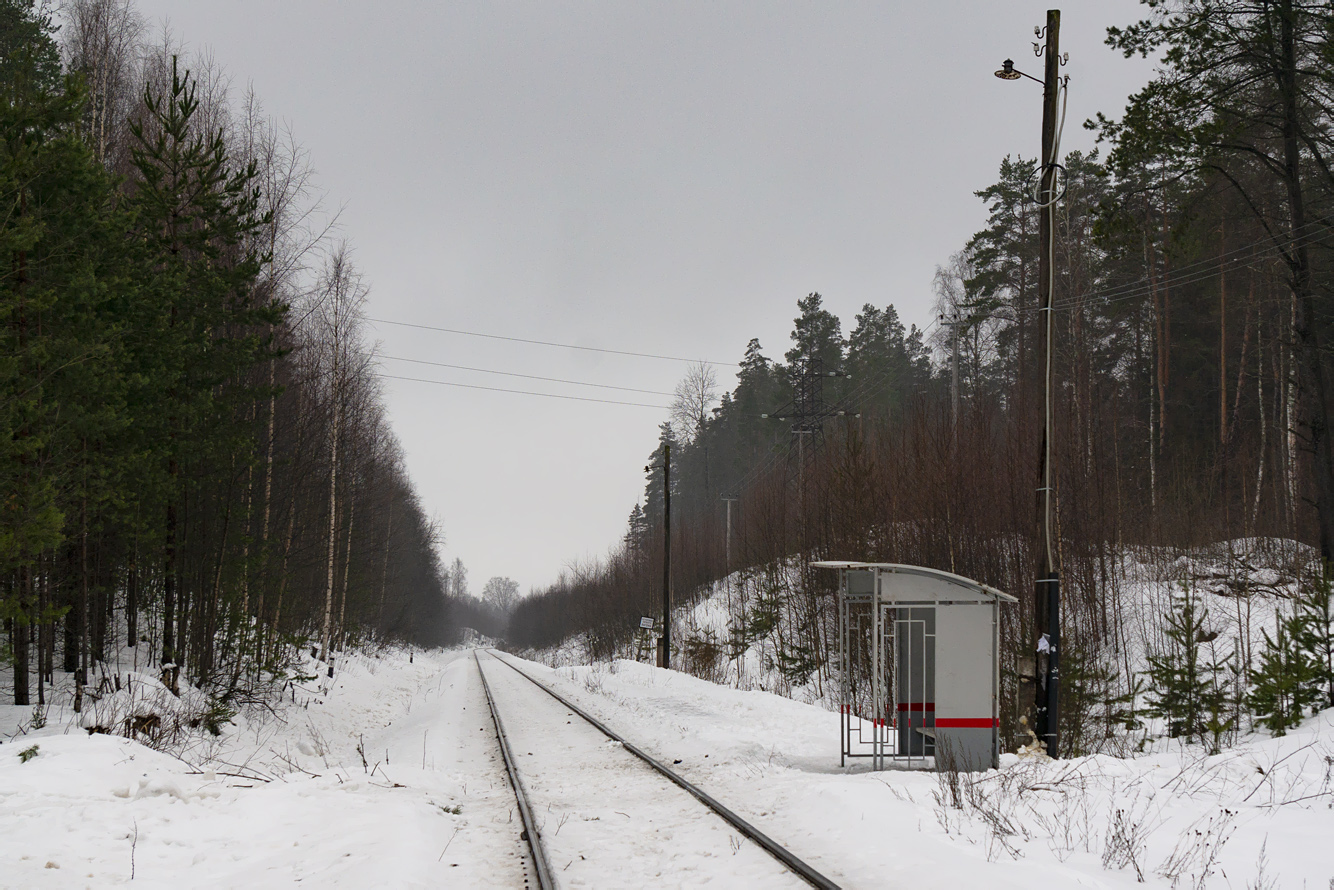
column 653, row 500
column 816, row 334
column 1313, row 634
column 59, row 239
column 1284, row 684
column 1187, row 688
column 197, row 327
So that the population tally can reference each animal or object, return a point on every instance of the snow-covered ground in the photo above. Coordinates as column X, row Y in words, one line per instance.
column 1258, row 815
column 393, row 779
column 606, row 819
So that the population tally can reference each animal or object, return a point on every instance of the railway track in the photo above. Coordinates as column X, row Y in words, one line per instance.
column 608, row 780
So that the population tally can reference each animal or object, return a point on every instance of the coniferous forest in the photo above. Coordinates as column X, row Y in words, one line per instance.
column 197, row 461
column 1193, row 300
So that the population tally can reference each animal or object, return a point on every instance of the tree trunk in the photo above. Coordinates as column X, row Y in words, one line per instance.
column 132, row 593
column 1310, row 324
column 19, row 635
column 335, row 408
column 170, row 666
column 347, row 568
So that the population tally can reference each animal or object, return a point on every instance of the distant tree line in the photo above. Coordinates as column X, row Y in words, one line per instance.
column 1194, row 296
column 195, row 454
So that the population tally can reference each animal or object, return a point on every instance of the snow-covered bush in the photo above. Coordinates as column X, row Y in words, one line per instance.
column 145, row 709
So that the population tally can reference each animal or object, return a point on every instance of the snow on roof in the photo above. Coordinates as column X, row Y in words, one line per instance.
column 936, row 575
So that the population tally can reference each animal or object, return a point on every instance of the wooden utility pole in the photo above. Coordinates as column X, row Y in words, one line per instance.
column 666, row 554
column 1047, row 602
column 728, row 544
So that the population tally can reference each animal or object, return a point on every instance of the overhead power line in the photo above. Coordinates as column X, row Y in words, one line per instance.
column 523, row 392
column 1190, row 273
column 418, row 361
column 427, row 327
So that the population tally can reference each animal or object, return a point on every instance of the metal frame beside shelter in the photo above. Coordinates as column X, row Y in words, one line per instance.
column 919, row 657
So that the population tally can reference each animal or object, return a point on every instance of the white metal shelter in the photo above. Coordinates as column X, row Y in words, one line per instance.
column 919, row 654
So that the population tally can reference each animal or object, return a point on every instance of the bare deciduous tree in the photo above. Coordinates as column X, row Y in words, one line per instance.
column 101, row 39
column 501, row 594
column 458, row 580
column 340, row 315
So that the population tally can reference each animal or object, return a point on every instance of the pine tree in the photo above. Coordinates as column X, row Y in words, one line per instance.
column 197, row 328
column 57, row 336
column 749, row 436
column 816, row 334
column 1285, row 683
column 1244, row 92
column 885, row 360
column 1187, row 688
column 1095, row 704
column 637, row 531
column 29, row 58
column 653, row 500
column 1313, row 633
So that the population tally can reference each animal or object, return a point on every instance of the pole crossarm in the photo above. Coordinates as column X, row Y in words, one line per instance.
column 808, row 409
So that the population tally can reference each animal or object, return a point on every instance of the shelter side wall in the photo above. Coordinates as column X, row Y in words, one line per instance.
column 969, row 750
column 965, row 663
column 965, row 669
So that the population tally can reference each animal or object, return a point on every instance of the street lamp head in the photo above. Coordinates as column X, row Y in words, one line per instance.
column 1007, row 71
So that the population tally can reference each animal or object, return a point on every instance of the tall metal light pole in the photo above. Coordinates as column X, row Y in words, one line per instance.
column 1047, row 600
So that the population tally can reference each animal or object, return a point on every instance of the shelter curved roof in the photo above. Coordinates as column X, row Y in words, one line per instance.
column 925, row 582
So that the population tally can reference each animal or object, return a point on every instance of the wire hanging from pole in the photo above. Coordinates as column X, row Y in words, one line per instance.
column 1063, row 85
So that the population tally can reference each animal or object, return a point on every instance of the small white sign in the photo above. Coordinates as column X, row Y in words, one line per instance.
column 646, row 623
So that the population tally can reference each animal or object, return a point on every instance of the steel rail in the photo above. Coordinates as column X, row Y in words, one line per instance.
column 545, row 879
column 772, row 847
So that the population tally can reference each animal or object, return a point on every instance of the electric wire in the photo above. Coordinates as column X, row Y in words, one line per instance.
column 1188, row 274
column 523, row 392
column 867, row 388
column 1050, row 247
column 427, row 327
column 418, row 361
column 1063, row 84
column 863, row 391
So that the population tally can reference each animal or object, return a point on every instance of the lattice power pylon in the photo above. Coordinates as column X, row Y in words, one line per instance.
column 808, row 409
column 808, row 412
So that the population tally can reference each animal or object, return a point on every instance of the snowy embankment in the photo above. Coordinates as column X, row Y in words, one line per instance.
column 1255, row 815
column 388, row 780
column 1258, row 815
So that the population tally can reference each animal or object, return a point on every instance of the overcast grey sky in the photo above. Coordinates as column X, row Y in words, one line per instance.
column 654, row 177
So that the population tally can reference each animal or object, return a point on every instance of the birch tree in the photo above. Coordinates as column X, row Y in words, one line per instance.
column 342, row 296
